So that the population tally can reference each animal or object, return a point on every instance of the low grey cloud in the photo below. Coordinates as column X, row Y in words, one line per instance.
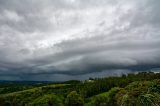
column 77, row 39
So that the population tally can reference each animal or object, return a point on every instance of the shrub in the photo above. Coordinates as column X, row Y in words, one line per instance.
column 141, row 93
column 74, row 99
column 47, row 100
column 111, row 96
column 149, row 100
column 100, row 101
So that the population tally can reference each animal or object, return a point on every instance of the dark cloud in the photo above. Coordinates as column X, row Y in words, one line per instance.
column 76, row 39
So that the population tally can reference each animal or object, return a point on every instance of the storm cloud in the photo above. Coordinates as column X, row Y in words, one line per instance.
column 77, row 39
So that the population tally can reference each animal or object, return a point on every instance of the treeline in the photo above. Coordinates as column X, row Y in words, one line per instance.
column 99, row 85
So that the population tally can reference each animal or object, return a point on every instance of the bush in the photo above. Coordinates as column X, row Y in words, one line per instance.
column 47, row 100
column 111, row 96
column 149, row 100
column 100, row 101
column 107, row 98
column 74, row 99
column 141, row 93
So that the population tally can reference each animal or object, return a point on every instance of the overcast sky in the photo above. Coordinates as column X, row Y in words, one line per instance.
column 76, row 39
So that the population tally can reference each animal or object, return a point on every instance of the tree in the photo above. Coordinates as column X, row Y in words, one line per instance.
column 47, row 100
column 74, row 99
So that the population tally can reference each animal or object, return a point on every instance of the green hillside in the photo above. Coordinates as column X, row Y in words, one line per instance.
column 142, row 89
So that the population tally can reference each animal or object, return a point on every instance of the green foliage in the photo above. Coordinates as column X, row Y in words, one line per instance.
column 104, row 99
column 149, row 100
column 47, row 100
column 142, row 89
column 125, row 100
column 74, row 99
column 111, row 96
column 101, row 85
column 141, row 93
